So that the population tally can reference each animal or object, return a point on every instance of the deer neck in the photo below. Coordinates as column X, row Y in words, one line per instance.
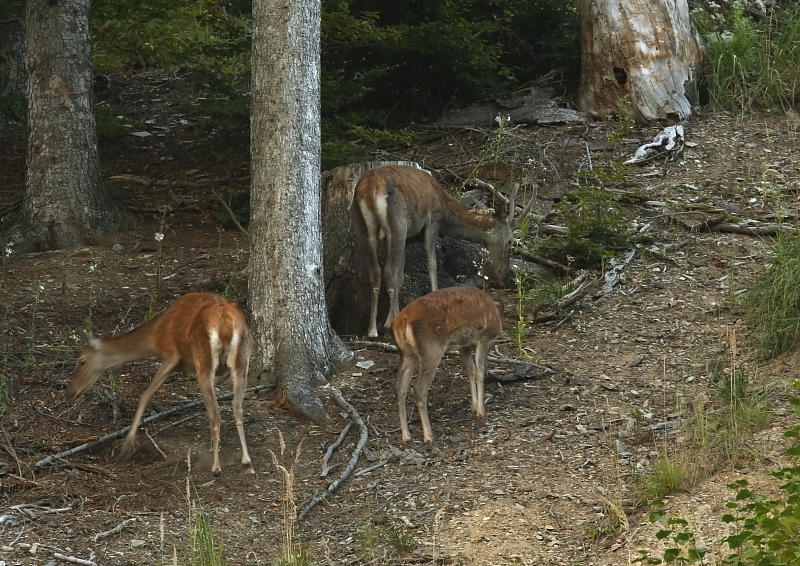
column 464, row 222
column 137, row 344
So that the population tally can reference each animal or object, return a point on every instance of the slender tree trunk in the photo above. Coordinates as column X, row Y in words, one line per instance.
column 643, row 54
column 65, row 201
column 286, row 292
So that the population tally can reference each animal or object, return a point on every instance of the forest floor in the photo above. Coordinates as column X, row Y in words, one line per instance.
column 551, row 478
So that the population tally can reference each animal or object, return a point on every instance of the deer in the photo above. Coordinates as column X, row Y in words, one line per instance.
column 402, row 203
column 465, row 318
column 201, row 333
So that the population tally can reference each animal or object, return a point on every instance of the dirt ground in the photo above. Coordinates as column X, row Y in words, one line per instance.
column 561, row 452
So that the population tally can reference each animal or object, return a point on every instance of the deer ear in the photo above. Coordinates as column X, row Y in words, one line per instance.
column 91, row 341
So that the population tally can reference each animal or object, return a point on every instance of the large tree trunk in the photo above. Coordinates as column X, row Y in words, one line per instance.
column 65, row 201
column 643, row 54
column 286, row 296
column 13, row 73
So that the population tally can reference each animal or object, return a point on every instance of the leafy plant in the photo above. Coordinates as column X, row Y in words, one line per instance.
column 755, row 62
column 108, row 124
column 401, row 540
column 597, row 227
column 767, row 529
column 684, row 549
column 368, row 536
column 204, row 551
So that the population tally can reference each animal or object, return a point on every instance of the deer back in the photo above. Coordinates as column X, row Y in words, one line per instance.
column 454, row 316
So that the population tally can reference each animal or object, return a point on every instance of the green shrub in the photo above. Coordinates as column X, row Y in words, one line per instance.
column 597, row 228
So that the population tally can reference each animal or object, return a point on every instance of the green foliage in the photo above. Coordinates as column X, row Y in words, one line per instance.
column 767, row 529
column 368, row 536
column 597, row 225
column 204, row 550
column 666, row 476
column 383, row 64
column 772, row 304
column 684, row 548
column 13, row 108
column 755, row 63
column 401, row 540
column 109, row 125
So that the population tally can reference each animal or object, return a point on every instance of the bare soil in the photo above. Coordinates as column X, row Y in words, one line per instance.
column 563, row 449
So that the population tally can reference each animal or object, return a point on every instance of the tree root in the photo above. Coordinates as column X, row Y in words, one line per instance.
column 356, row 418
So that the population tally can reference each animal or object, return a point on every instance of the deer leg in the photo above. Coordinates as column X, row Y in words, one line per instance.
column 159, row 378
column 375, row 282
column 430, row 252
column 404, row 375
column 205, row 381
column 238, row 364
column 469, row 368
column 393, row 274
column 481, row 353
column 429, row 363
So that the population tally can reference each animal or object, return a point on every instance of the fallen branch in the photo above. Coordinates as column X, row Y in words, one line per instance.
column 146, row 182
column 73, row 560
column 380, row 464
column 375, row 345
column 541, row 260
column 115, row 531
column 230, row 213
column 332, row 447
column 122, row 432
column 340, row 400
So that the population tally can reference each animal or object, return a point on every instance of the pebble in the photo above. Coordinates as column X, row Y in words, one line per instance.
column 116, row 248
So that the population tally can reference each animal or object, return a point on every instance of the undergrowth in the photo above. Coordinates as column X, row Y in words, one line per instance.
column 766, row 530
column 754, row 61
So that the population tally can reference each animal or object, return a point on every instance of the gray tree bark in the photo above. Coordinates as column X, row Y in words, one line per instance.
column 286, row 292
column 65, row 202
column 643, row 54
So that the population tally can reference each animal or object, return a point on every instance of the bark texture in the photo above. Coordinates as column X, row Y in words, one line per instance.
column 286, row 290
column 645, row 50
column 65, row 201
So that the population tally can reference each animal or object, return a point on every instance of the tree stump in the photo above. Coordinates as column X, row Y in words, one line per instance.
column 643, row 54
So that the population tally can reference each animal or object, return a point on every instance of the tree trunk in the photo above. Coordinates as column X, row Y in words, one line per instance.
column 643, row 55
column 286, row 296
column 13, row 73
column 347, row 287
column 65, row 201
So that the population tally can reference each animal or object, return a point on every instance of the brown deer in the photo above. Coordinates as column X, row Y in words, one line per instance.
column 200, row 333
column 465, row 318
column 402, row 203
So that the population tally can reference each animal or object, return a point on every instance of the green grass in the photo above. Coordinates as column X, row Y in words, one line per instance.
column 754, row 63
column 772, row 304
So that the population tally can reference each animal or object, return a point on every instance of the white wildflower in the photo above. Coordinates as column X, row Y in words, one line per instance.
column 159, row 236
